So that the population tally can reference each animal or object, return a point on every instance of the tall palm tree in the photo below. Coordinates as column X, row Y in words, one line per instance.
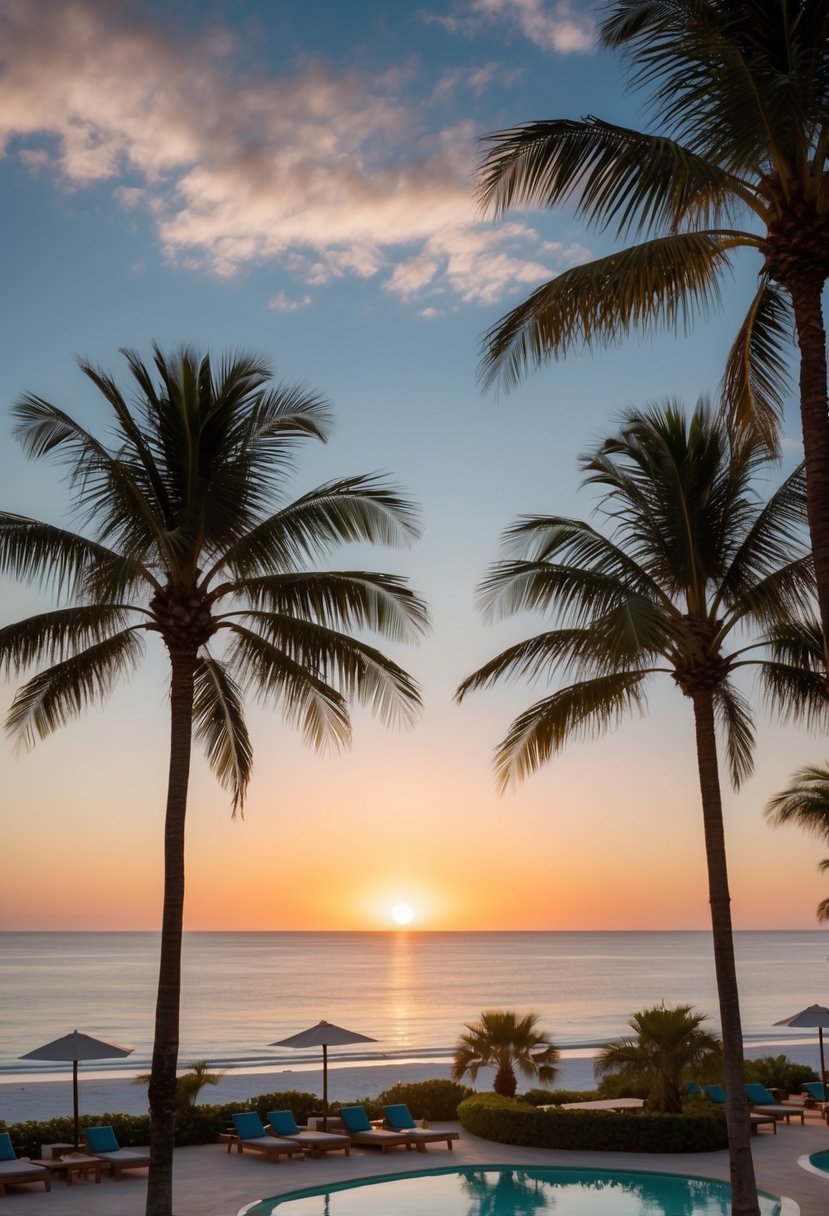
column 806, row 804
column 694, row 563
column 505, row 1040
column 668, row 1047
column 740, row 96
column 189, row 537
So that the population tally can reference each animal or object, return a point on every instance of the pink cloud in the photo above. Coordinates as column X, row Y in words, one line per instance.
column 327, row 173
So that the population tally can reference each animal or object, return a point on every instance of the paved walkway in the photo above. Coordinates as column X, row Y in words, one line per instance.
column 211, row 1182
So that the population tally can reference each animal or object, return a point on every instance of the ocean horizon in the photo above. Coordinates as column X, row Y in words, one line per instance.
column 411, row 991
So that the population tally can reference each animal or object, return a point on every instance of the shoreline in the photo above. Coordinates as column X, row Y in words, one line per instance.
column 39, row 1098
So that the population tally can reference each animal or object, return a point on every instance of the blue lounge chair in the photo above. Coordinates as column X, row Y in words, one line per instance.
column 716, row 1093
column 816, row 1097
column 763, row 1102
column 283, row 1124
column 101, row 1142
column 693, row 1089
column 359, row 1127
column 250, row 1132
column 15, row 1171
column 398, row 1118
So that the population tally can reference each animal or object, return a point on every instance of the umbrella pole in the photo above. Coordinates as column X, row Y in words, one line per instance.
column 822, row 1064
column 324, row 1088
column 75, row 1101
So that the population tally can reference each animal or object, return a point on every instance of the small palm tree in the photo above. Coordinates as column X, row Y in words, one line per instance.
column 505, row 1040
column 668, row 1047
column 806, row 804
column 190, row 538
column 739, row 161
column 695, row 562
column 189, row 1084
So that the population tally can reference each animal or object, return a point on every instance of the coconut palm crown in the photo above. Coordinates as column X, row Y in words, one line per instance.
column 505, row 1040
column 188, row 537
column 695, row 579
column 805, row 803
column 668, row 1046
column 738, row 95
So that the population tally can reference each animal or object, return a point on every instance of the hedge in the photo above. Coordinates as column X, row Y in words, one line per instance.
column 511, row 1121
column 426, row 1099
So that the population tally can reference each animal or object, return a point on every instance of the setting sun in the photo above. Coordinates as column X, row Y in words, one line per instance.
column 402, row 914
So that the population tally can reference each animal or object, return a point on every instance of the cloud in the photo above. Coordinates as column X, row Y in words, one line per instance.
column 553, row 27
column 282, row 302
column 328, row 174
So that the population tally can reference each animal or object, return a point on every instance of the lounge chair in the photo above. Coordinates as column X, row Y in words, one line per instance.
column 817, row 1097
column 716, row 1093
column 101, row 1142
column 250, row 1133
column 16, row 1170
column 763, row 1102
column 757, row 1121
column 693, row 1089
column 283, row 1124
column 359, row 1127
column 398, row 1118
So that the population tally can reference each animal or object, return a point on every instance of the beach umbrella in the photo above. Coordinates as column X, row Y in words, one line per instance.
column 816, row 1016
column 75, row 1047
column 324, row 1035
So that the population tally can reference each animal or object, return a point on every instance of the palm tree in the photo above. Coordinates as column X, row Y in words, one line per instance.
column 667, row 1048
column 693, row 559
column 806, row 804
column 740, row 93
column 505, row 1040
column 189, row 1085
column 189, row 535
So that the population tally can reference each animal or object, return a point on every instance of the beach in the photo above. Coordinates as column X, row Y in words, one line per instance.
column 116, row 1094
column 41, row 1099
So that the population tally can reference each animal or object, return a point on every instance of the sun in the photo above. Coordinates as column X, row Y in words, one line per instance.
column 402, row 914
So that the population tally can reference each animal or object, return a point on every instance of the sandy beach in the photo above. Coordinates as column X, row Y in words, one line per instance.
column 116, row 1094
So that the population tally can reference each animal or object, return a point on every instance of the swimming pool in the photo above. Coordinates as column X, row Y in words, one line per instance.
column 501, row 1190
column 817, row 1163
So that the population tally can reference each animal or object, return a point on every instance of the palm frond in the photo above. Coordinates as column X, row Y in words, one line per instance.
column 733, row 716
column 580, row 710
column 51, row 557
column 342, row 599
column 358, row 671
column 219, row 724
column 805, row 802
column 53, row 636
column 55, row 696
column 661, row 283
column 615, row 176
column 351, row 509
column 306, row 700
column 794, row 680
column 757, row 382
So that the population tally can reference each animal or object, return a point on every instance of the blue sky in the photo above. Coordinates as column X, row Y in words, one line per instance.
column 297, row 179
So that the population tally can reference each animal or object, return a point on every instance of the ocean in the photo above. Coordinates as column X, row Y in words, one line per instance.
column 411, row 991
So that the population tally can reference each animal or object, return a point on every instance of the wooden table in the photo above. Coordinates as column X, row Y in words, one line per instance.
column 75, row 1163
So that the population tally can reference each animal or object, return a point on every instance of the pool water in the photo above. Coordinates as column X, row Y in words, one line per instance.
column 820, row 1161
column 513, row 1191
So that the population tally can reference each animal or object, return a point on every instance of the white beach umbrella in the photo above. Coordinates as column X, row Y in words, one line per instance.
column 77, row 1046
column 324, row 1035
column 816, row 1016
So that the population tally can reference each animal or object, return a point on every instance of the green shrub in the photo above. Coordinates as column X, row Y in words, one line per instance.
column 557, row 1097
column 427, row 1099
column 779, row 1072
column 511, row 1121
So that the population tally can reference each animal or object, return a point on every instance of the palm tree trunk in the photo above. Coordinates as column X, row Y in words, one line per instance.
column 165, row 1045
column 743, row 1186
column 814, row 420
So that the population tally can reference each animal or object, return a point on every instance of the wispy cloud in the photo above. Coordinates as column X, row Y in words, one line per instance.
column 327, row 174
column 562, row 26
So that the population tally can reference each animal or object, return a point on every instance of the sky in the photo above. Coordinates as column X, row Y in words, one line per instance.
column 297, row 179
